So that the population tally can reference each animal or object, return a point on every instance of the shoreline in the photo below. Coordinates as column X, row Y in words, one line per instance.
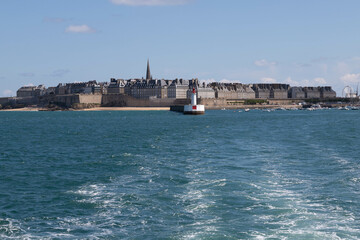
column 38, row 109
column 125, row 109
column 230, row 107
column 233, row 107
column 25, row 109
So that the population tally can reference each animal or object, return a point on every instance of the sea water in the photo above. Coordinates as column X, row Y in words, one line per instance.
column 164, row 175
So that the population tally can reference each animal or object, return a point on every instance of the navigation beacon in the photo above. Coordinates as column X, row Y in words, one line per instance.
column 193, row 108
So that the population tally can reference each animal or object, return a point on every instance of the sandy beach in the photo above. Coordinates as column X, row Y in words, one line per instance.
column 26, row 109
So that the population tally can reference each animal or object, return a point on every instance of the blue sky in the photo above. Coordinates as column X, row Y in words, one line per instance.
column 307, row 43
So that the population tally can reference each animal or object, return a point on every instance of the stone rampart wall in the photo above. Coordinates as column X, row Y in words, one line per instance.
column 119, row 100
column 284, row 101
column 213, row 103
column 4, row 101
column 27, row 100
column 90, row 98
column 63, row 100
column 67, row 100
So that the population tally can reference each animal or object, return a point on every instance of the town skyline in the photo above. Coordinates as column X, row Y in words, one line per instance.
column 301, row 44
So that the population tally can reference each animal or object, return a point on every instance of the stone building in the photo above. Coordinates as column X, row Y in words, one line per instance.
column 296, row 93
column 279, row 91
column 61, row 89
column 232, row 90
column 90, row 87
column 82, row 87
column 178, row 89
column 116, row 86
column 312, row 92
column 327, row 92
column 245, row 91
column 146, row 89
column 203, row 92
column 50, row 91
column 262, row 90
column 31, row 91
column 271, row 90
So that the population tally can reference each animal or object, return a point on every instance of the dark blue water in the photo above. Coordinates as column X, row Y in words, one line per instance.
column 164, row 175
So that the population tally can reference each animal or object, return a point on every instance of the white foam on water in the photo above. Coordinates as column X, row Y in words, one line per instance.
column 201, row 230
column 258, row 235
column 348, row 166
column 10, row 228
column 355, row 180
column 13, row 230
column 252, row 198
column 197, row 199
column 295, row 214
column 255, row 186
column 119, row 204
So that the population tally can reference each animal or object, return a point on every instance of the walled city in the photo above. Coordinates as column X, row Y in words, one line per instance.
column 149, row 92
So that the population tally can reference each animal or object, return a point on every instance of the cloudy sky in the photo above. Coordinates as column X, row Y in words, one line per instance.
column 306, row 43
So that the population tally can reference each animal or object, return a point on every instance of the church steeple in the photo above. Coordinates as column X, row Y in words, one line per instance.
column 148, row 74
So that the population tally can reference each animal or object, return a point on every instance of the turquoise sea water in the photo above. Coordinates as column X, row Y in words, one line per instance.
column 164, row 175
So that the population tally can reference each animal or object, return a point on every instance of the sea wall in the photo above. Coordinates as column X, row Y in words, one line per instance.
column 123, row 100
column 120, row 100
column 14, row 101
column 213, row 103
column 90, row 98
column 284, row 101
column 241, row 103
column 4, row 101
column 71, row 99
column 62, row 100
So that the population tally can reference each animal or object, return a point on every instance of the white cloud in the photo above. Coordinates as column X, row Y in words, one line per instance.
column 320, row 80
column 149, row 2
column 79, row 29
column 268, row 80
column 224, row 80
column 8, row 93
column 207, row 81
column 29, row 85
column 305, row 82
column 291, row 82
column 351, row 78
column 264, row 63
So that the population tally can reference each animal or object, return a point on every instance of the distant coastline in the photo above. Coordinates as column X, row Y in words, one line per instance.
column 242, row 107
column 36, row 109
column 161, row 94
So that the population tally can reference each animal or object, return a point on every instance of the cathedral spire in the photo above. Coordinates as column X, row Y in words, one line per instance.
column 148, row 74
